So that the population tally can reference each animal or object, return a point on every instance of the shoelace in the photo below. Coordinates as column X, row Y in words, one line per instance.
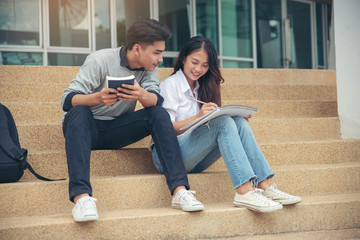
column 257, row 193
column 275, row 190
column 188, row 195
column 88, row 203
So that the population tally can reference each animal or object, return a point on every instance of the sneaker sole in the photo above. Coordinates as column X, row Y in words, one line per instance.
column 195, row 208
column 87, row 218
column 258, row 209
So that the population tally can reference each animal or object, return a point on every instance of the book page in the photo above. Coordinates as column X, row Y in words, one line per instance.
column 232, row 110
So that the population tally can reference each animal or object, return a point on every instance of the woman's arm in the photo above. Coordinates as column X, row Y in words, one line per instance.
column 206, row 108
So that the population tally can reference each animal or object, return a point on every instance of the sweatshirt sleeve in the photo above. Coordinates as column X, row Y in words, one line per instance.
column 88, row 80
column 150, row 82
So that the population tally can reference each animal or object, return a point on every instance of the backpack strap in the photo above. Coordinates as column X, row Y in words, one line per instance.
column 13, row 149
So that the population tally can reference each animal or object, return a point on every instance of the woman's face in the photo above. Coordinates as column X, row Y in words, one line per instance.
column 195, row 65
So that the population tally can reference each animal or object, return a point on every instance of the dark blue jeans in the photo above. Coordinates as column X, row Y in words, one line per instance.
column 83, row 133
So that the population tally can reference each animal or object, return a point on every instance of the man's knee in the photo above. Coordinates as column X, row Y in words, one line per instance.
column 78, row 116
column 159, row 113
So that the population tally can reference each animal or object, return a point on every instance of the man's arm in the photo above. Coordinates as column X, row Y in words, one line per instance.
column 106, row 96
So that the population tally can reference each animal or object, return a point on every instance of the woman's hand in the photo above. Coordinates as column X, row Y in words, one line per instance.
column 206, row 108
column 247, row 118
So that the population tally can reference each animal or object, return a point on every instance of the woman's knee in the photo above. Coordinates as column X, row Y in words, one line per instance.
column 241, row 123
column 223, row 121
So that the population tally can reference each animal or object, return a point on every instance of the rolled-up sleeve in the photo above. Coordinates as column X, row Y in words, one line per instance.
column 171, row 102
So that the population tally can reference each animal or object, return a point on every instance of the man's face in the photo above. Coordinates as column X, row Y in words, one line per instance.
column 151, row 56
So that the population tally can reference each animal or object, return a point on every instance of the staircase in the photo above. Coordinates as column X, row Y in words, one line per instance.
column 297, row 128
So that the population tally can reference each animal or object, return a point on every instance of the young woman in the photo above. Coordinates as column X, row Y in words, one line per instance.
column 197, row 75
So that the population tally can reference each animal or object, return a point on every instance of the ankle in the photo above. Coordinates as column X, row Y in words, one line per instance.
column 177, row 189
column 264, row 184
column 77, row 197
column 245, row 188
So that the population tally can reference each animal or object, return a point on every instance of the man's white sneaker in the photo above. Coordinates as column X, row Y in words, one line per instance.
column 256, row 201
column 186, row 201
column 278, row 196
column 85, row 210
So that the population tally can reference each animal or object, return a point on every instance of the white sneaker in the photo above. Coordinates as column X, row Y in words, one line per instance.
column 186, row 201
column 278, row 196
column 255, row 200
column 85, row 210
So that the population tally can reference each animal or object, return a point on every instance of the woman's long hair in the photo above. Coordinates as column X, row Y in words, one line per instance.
column 209, row 90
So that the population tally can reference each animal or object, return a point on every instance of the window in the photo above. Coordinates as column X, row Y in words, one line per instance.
column 176, row 15
column 102, row 24
column 236, row 28
column 63, row 59
column 207, row 20
column 19, row 22
column 69, row 23
column 127, row 12
column 21, row 58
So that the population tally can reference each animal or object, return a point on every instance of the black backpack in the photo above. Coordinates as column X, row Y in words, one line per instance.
column 12, row 156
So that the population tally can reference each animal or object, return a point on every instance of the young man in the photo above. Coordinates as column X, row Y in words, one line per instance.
column 97, row 117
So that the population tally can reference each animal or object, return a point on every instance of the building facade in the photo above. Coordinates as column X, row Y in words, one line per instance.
column 246, row 33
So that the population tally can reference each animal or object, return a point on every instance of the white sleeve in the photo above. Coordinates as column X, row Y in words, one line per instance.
column 169, row 91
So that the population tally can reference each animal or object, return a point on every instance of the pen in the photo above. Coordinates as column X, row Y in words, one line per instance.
column 197, row 100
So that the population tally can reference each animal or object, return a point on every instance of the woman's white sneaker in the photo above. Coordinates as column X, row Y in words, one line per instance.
column 186, row 201
column 255, row 200
column 279, row 196
column 85, row 210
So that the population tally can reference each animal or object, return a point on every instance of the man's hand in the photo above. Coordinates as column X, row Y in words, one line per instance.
column 133, row 92
column 108, row 96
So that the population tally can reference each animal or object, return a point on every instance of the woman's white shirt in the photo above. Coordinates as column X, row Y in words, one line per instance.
column 176, row 92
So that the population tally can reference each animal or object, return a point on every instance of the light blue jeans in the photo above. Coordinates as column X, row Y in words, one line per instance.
column 229, row 137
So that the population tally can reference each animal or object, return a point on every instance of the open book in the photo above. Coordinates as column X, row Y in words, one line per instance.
column 115, row 82
column 231, row 110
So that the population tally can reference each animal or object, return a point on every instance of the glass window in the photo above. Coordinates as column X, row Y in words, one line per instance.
column 102, row 24
column 127, row 12
column 168, row 62
column 21, row 58
column 237, row 64
column 299, row 14
column 69, row 23
column 236, row 28
column 207, row 20
column 269, row 34
column 19, row 22
column 65, row 59
column 176, row 15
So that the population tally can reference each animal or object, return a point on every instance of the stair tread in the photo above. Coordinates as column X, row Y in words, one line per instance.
column 164, row 211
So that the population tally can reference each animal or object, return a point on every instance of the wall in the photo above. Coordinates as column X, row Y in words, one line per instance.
column 347, row 51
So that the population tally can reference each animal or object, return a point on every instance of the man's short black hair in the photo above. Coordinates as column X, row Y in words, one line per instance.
column 145, row 32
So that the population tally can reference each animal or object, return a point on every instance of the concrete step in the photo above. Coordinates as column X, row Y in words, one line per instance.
column 51, row 112
column 139, row 161
column 289, row 108
column 128, row 191
column 279, row 92
column 64, row 74
column 46, row 137
column 315, row 213
column 351, row 233
column 50, row 92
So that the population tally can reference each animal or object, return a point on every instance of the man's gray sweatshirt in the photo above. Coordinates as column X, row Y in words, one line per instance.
column 91, row 79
